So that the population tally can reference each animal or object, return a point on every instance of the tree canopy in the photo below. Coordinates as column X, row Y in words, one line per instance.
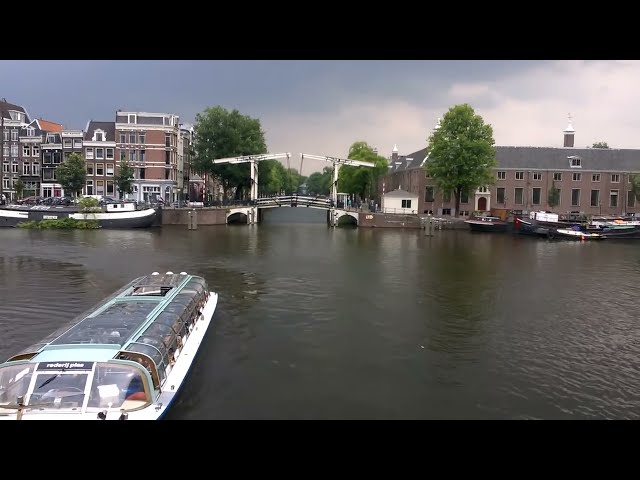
column 72, row 173
column 124, row 178
column 461, row 152
column 319, row 183
column 600, row 145
column 361, row 180
column 220, row 133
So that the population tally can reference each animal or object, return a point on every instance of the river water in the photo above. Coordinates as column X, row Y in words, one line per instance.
column 344, row 323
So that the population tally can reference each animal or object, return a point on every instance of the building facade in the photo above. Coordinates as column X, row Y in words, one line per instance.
column 149, row 141
column 13, row 118
column 100, row 157
column 590, row 180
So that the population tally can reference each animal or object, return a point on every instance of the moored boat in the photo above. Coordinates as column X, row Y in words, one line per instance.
column 127, row 358
column 487, row 224
column 123, row 215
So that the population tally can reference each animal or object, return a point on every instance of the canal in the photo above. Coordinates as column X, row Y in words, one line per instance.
column 316, row 323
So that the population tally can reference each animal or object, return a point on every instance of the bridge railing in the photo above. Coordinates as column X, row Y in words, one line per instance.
column 294, row 201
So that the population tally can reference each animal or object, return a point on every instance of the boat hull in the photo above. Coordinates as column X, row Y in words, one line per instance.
column 487, row 226
column 11, row 217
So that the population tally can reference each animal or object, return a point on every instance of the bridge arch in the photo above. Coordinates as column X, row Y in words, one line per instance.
column 344, row 217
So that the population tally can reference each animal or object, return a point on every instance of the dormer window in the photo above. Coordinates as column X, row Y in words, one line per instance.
column 31, row 132
column 99, row 136
column 51, row 138
column 19, row 116
column 575, row 162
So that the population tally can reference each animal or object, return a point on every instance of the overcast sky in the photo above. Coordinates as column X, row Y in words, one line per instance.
column 322, row 107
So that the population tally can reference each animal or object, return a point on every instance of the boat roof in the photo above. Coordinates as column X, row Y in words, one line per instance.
column 115, row 323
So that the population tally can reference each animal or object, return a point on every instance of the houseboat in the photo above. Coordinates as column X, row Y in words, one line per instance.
column 124, row 359
column 113, row 215
column 487, row 224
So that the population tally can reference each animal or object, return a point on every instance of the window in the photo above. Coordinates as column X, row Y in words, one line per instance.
column 109, row 169
column 57, row 156
column 47, row 174
column 26, row 168
column 123, row 138
column 100, row 187
column 132, row 137
column 132, row 156
column 167, row 140
column 26, row 151
column 557, row 176
column 100, row 169
column 464, row 197
column 132, row 118
column 109, row 153
column 519, row 175
column 89, row 187
column 6, row 135
column 446, row 197
column 36, row 169
column 575, row 197
column 502, row 175
column 14, row 150
column 406, row 203
column 67, row 155
column 615, row 178
column 51, row 138
column 35, row 151
column 428, row 194
column 141, row 137
column 77, row 143
column 576, row 177
column 14, row 135
column 90, row 168
column 537, row 175
column 47, row 156
column 67, row 143
column 613, row 198
column 5, row 150
column 575, row 162
column 536, row 193
column 631, row 200
column 5, row 167
column 595, row 198
column 123, row 155
column 14, row 167
column 167, row 157
column 110, row 190
column 518, row 196
column 142, row 155
column 99, row 136
column 99, row 153
column 89, row 154
column 595, row 177
column 500, row 195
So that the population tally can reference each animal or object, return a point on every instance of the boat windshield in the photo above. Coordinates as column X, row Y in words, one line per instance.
column 14, row 384
column 73, row 386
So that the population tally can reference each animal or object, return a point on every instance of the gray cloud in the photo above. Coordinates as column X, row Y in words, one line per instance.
column 323, row 106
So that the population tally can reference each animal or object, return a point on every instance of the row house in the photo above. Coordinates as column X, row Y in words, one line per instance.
column 589, row 180
column 100, row 156
column 149, row 141
column 13, row 118
column 185, row 145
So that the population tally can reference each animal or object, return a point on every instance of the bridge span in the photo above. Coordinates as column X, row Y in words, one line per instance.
column 252, row 211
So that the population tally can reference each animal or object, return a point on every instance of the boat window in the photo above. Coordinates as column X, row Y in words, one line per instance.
column 14, row 383
column 119, row 386
column 154, row 290
column 151, row 352
column 59, row 389
column 111, row 326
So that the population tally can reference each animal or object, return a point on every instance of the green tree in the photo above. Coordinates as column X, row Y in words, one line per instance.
column 319, row 183
column 220, row 133
column 124, row 178
column 461, row 152
column 635, row 185
column 72, row 173
column 19, row 186
column 600, row 145
column 362, row 180
column 553, row 198
column 270, row 177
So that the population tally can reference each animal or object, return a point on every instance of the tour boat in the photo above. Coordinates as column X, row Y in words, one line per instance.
column 124, row 359
column 487, row 224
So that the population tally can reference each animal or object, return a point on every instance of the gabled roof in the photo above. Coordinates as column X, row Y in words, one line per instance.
column 50, row 127
column 408, row 162
column 6, row 106
column 399, row 193
column 108, row 127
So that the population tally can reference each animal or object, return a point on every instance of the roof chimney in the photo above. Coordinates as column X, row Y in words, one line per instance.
column 394, row 153
column 569, row 133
